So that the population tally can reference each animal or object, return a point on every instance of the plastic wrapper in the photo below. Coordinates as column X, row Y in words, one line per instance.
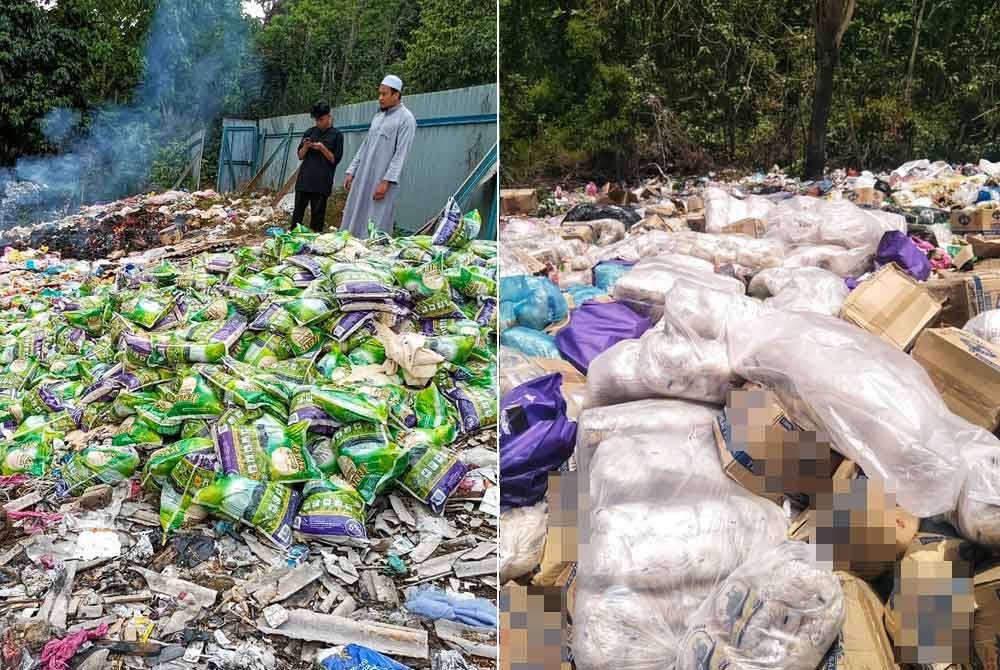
column 777, row 611
column 99, row 465
column 522, row 541
column 332, row 510
column 530, row 342
column 433, row 475
column 800, row 290
column 667, row 526
column 645, row 287
column 978, row 512
column 838, row 260
column 266, row 506
column 716, row 249
column 537, row 301
column 877, row 404
column 367, row 459
column 804, row 220
column 986, row 325
column 723, row 209
column 516, row 368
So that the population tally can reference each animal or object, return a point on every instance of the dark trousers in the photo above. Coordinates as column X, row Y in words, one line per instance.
column 317, row 209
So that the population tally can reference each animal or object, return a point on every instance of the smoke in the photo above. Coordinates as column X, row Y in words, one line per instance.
column 198, row 56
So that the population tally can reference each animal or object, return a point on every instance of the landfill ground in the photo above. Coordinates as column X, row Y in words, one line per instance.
column 99, row 574
column 771, row 442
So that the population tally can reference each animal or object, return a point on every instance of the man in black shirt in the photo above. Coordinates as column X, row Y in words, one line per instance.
column 320, row 151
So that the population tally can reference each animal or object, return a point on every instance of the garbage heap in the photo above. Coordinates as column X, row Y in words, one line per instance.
column 244, row 458
column 750, row 424
column 145, row 222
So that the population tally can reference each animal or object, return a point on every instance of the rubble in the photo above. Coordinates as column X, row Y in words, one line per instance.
column 129, row 521
column 716, row 390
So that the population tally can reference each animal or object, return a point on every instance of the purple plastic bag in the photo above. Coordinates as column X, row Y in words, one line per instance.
column 535, row 439
column 595, row 327
column 896, row 247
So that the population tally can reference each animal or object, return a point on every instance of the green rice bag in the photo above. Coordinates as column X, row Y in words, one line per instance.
column 433, row 475
column 99, row 465
column 396, row 398
column 218, row 309
column 255, row 283
column 276, row 386
column 294, row 371
column 196, row 279
column 303, row 339
column 178, row 352
column 283, row 286
column 368, row 461
column 482, row 248
column 370, row 352
column 323, row 454
column 247, row 302
column 476, row 405
column 467, row 327
column 472, row 282
column 308, row 310
column 18, row 374
column 194, row 399
column 264, row 349
column 267, row 506
column 135, row 431
column 96, row 414
column 195, row 470
column 90, row 316
column 437, row 306
column 431, row 407
column 46, row 427
column 421, row 439
column 71, row 339
column 421, row 282
column 453, row 229
column 331, row 510
column 196, row 428
column 244, row 392
column 178, row 510
column 226, row 332
column 165, row 273
column 163, row 460
column 146, row 307
column 334, row 366
column 275, row 319
column 28, row 457
column 347, row 405
column 266, row 450
column 127, row 402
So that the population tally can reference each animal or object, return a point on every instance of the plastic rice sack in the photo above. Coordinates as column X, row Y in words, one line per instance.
column 472, row 282
column 323, row 454
column 371, row 351
column 605, row 273
column 346, row 405
column 304, row 408
column 530, row 342
column 246, row 393
column 262, row 350
column 99, row 465
column 195, row 470
column 178, row 510
column 332, row 510
column 159, row 464
column 422, row 282
column 433, row 475
column 453, row 229
column 367, row 459
column 29, row 457
column 227, row 332
column 308, row 310
column 266, row 450
column 476, row 405
column 134, row 431
column 268, row 507
column 146, row 307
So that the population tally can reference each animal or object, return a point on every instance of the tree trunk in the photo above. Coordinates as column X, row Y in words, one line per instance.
column 822, row 99
column 913, row 49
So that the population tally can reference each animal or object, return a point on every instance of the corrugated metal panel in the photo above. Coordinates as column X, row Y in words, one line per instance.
column 240, row 163
column 452, row 137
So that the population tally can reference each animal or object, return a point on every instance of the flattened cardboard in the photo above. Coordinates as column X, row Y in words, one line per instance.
column 986, row 626
column 984, row 248
column 751, row 227
column 577, row 230
column 981, row 220
column 863, row 643
column 965, row 370
column 966, row 294
column 891, row 305
column 517, row 201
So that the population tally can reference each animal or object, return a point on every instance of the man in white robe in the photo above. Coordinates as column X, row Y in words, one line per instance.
column 372, row 179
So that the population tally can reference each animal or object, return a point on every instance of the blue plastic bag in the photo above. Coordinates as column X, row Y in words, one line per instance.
column 606, row 273
column 536, row 437
column 537, row 301
column 356, row 657
column 581, row 294
column 435, row 604
column 530, row 342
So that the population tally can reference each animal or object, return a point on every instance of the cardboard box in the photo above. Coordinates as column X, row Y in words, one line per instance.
column 984, row 248
column 866, row 195
column 570, row 374
column 578, row 230
column 517, row 201
column 665, row 209
column 986, row 627
column 980, row 220
column 965, row 294
column 752, row 227
column 966, row 371
column 891, row 305
column 988, row 265
column 863, row 643
column 695, row 204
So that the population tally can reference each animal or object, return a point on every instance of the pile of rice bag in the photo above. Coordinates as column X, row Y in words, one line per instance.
column 254, row 385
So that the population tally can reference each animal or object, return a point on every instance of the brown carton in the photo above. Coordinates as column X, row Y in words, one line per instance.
column 891, row 305
column 965, row 294
column 983, row 247
column 979, row 220
column 986, row 629
column 517, row 201
column 578, row 230
column 751, row 227
column 866, row 195
column 862, row 643
column 965, row 370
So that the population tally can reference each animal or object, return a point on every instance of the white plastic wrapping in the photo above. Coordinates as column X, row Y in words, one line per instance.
column 575, row 278
column 779, row 611
column 644, row 287
column 722, row 209
column 703, row 313
column 800, row 290
column 804, row 220
column 986, row 325
column 838, row 260
column 522, row 541
column 667, row 526
column 717, row 249
column 876, row 403
column 516, row 369
column 978, row 513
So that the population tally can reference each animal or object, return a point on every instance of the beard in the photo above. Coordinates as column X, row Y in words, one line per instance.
column 382, row 108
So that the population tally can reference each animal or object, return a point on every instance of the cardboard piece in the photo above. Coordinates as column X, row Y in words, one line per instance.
column 534, row 265
column 750, row 226
column 866, row 195
column 965, row 370
column 518, row 201
column 965, row 294
column 988, row 265
column 862, row 643
column 695, row 204
column 891, row 305
column 964, row 257
column 570, row 374
column 665, row 209
column 986, row 626
column 984, row 248
column 980, row 220
column 579, row 230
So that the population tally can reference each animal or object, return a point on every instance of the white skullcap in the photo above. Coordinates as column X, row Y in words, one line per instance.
column 392, row 81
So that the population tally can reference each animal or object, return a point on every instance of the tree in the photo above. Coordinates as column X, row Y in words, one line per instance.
column 830, row 21
column 454, row 45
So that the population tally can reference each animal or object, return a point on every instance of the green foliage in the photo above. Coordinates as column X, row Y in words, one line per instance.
column 598, row 90
column 168, row 165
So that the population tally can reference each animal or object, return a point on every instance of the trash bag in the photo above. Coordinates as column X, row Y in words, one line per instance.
column 804, row 220
column 581, row 294
column 586, row 211
column 666, row 526
column 778, row 610
column 355, row 657
column 838, row 260
column 800, row 290
column 645, row 286
column 522, row 541
column 877, row 404
column 594, row 327
column 897, row 248
column 431, row 602
column 978, row 514
column 537, row 301
column 530, row 342
column 722, row 209
column 536, row 438
column 516, row 368
column 986, row 325
column 605, row 273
